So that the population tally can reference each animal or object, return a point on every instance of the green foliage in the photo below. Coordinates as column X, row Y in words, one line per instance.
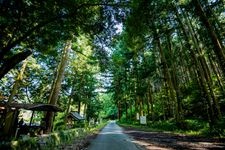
column 48, row 22
column 93, row 109
column 59, row 123
column 193, row 127
column 109, row 109
column 167, row 125
column 217, row 130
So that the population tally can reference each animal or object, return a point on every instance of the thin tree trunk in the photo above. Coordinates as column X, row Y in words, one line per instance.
column 166, row 73
column 206, row 72
column 119, row 110
column 126, row 109
column 199, row 70
column 179, row 110
column 212, row 35
column 69, row 102
column 79, row 105
column 150, row 101
column 17, row 82
column 219, row 80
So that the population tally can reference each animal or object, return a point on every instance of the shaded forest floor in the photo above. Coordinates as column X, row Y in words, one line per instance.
column 170, row 141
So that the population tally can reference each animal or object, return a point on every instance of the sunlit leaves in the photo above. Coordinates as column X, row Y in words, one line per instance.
column 184, row 2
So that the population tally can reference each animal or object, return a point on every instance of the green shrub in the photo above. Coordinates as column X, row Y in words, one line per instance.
column 163, row 125
column 217, row 130
column 195, row 125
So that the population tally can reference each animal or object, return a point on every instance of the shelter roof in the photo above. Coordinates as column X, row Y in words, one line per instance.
column 75, row 116
column 33, row 107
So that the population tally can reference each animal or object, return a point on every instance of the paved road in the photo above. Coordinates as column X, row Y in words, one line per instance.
column 112, row 138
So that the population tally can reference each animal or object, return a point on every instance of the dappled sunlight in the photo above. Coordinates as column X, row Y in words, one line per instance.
column 160, row 140
column 201, row 145
column 150, row 146
column 173, row 145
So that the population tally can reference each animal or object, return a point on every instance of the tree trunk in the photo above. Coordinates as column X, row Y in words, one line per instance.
column 17, row 82
column 126, row 109
column 53, row 98
column 218, row 77
column 150, row 101
column 10, row 116
column 119, row 110
column 69, row 102
column 79, row 105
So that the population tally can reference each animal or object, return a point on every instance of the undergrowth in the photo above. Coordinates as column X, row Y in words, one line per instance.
column 191, row 127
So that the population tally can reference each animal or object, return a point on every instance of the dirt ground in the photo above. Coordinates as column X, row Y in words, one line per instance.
column 168, row 141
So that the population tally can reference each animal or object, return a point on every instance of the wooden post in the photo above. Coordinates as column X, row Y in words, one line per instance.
column 32, row 116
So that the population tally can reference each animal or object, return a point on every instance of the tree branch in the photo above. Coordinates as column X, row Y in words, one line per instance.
column 13, row 61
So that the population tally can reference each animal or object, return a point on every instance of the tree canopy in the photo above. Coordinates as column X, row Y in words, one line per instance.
column 164, row 60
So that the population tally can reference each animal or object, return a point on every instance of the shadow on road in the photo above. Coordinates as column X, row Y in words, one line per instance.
column 158, row 140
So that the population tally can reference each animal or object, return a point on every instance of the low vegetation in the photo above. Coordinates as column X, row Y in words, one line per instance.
column 192, row 127
column 52, row 141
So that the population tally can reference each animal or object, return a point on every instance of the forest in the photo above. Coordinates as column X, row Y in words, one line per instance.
column 114, row 59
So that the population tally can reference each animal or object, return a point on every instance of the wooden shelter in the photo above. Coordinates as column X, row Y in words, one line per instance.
column 9, row 122
column 74, row 118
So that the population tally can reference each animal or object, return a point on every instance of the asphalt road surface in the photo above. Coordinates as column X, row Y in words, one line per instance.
column 112, row 138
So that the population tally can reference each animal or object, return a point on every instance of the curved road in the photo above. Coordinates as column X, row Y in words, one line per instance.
column 112, row 138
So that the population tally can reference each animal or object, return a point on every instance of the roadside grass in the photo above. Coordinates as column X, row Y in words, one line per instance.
column 98, row 127
column 190, row 127
column 84, row 139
